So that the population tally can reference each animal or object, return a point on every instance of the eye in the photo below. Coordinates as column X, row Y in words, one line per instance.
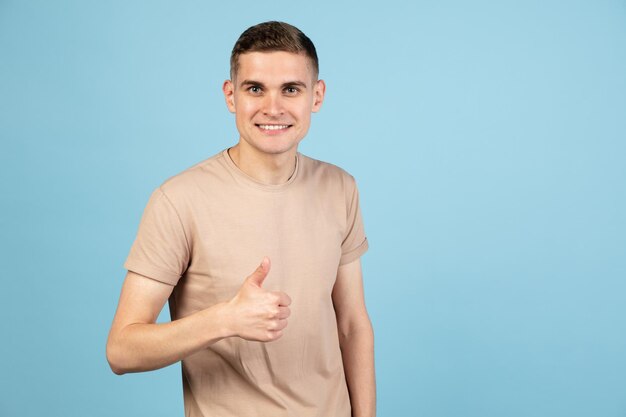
column 255, row 89
column 292, row 91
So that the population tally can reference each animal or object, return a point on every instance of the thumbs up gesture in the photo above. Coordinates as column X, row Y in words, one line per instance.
column 257, row 314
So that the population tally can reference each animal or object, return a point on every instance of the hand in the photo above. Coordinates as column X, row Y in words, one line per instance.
column 257, row 314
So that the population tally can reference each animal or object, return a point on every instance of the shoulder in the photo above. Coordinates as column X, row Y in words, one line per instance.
column 198, row 175
column 325, row 172
column 192, row 186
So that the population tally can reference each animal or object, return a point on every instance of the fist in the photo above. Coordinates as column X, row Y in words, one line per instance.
column 257, row 314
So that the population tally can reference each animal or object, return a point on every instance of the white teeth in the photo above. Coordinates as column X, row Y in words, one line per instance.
column 273, row 127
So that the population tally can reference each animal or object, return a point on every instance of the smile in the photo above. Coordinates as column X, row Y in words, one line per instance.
column 273, row 127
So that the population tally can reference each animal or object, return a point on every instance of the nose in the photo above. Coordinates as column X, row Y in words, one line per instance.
column 272, row 105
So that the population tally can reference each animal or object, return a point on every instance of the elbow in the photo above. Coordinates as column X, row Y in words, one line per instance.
column 361, row 329
column 116, row 370
column 114, row 359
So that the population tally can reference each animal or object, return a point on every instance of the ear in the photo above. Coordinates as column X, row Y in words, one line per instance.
column 229, row 95
column 318, row 95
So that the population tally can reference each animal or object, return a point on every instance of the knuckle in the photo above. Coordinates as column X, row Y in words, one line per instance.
column 272, row 313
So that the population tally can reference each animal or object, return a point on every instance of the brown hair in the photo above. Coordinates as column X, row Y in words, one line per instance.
column 273, row 36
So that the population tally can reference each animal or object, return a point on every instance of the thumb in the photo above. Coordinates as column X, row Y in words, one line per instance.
column 258, row 276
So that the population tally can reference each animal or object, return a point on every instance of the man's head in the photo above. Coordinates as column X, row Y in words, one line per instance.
column 271, row 37
column 274, row 88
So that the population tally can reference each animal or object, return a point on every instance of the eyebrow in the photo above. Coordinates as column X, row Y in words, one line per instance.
column 245, row 83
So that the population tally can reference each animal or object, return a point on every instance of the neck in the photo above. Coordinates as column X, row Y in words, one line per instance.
column 271, row 169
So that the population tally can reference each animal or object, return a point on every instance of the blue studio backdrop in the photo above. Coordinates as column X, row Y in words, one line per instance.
column 487, row 139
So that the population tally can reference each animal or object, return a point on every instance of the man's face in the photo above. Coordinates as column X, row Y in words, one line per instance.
column 272, row 96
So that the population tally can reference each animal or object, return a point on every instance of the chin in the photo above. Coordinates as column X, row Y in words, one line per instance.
column 276, row 148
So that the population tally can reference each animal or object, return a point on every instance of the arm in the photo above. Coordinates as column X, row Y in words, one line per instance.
column 356, row 339
column 136, row 343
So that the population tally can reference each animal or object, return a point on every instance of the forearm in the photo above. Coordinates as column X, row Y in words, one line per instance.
column 357, row 350
column 142, row 347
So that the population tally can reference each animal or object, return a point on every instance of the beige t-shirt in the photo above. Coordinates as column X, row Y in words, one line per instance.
column 205, row 230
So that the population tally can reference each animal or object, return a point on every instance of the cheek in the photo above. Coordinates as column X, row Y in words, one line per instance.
column 303, row 110
column 244, row 110
column 304, row 115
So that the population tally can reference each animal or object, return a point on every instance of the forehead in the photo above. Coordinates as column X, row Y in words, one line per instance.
column 276, row 66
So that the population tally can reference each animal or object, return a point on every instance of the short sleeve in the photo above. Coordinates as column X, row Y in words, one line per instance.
column 355, row 242
column 161, row 249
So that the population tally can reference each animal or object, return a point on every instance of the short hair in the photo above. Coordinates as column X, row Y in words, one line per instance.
column 273, row 36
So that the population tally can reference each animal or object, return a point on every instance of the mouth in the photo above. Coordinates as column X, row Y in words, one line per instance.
column 271, row 128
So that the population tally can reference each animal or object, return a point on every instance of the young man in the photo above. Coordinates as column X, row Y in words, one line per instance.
column 289, row 336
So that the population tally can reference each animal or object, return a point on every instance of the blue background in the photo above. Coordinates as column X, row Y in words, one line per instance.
column 487, row 139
